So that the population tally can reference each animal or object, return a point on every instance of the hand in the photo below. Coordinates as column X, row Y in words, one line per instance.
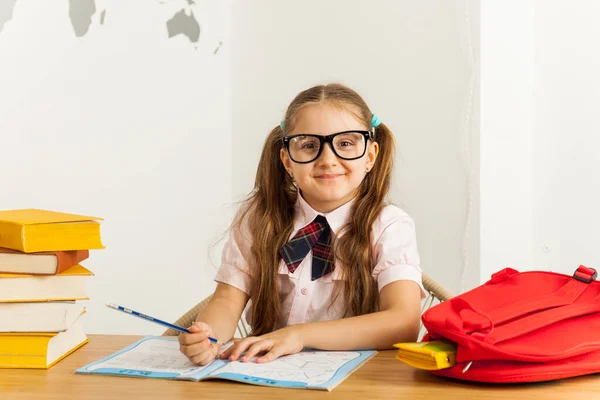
column 196, row 346
column 275, row 344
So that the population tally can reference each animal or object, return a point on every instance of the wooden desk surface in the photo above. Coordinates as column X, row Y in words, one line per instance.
column 383, row 377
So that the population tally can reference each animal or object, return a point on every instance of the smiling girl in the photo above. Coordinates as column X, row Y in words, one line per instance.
column 315, row 254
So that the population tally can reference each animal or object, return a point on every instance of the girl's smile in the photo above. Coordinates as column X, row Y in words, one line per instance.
column 329, row 177
column 329, row 181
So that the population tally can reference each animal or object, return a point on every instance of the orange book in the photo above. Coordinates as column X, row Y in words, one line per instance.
column 43, row 263
column 32, row 230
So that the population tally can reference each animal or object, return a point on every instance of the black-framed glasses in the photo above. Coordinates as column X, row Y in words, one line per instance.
column 347, row 145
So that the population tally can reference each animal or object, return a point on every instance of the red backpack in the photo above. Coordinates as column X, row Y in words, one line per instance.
column 522, row 327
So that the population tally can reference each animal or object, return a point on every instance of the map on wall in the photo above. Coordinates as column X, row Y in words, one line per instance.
column 183, row 22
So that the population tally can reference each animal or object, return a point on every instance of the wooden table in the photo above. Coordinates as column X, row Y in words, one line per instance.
column 383, row 377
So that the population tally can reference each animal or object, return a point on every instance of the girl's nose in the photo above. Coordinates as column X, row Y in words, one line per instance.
column 327, row 156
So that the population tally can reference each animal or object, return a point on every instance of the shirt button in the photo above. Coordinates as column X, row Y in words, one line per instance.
column 304, row 291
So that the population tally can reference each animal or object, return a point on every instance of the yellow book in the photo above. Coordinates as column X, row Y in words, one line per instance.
column 430, row 356
column 68, row 285
column 39, row 350
column 31, row 230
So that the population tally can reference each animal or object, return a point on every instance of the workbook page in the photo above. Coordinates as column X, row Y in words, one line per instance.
column 306, row 369
column 153, row 357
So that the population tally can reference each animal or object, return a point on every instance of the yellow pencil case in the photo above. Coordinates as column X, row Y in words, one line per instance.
column 429, row 356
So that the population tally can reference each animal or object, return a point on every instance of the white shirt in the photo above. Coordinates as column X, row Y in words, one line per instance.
column 395, row 258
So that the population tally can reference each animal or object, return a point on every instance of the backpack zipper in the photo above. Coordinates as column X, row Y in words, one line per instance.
column 465, row 369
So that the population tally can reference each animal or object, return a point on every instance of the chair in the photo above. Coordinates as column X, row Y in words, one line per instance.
column 436, row 292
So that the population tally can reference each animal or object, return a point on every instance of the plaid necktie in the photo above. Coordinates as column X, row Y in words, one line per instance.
column 315, row 236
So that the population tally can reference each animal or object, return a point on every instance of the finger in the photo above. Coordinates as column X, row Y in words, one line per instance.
column 229, row 353
column 228, row 350
column 274, row 353
column 241, row 346
column 263, row 345
column 194, row 349
column 191, row 338
column 204, row 358
column 201, row 359
column 226, row 353
column 199, row 326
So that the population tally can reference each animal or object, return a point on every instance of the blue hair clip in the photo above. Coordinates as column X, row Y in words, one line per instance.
column 375, row 121
column 281, row 125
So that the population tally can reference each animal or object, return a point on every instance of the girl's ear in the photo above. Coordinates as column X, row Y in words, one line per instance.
column 285, row 159
column 372, row 153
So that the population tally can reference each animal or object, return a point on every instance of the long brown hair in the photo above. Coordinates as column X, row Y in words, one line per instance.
column 268, row 213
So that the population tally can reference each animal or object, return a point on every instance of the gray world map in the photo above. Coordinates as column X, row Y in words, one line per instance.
column 82, row 11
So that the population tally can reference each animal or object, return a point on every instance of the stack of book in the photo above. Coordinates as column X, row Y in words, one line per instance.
column 41, row 280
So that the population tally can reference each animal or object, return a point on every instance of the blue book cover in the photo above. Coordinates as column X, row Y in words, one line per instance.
column 159, row 357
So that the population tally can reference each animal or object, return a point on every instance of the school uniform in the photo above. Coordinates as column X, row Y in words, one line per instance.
column 306, row 300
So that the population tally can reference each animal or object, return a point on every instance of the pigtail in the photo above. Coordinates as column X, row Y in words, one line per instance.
column 269, row 214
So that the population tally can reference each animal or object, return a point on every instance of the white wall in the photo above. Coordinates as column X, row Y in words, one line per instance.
column 540, row 166
column 507, row 67
column 411, row 61
column 126, row 124
column 566, row 153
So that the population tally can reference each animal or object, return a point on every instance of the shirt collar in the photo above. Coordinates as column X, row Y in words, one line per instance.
column 305, row 214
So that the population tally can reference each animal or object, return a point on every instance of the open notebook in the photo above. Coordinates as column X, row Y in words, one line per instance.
column 159, row 357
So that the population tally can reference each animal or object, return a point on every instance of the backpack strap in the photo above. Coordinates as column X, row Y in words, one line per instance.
column 470, row 320
column 565, row 295
column 540, row 320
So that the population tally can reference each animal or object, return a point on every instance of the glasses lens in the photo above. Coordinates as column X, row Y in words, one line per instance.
column 349, row 145
column 304, row 148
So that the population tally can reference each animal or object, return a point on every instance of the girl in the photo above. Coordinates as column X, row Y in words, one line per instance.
column 322, row 261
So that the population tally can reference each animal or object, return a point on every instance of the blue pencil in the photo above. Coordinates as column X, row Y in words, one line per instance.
column 152, row 319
